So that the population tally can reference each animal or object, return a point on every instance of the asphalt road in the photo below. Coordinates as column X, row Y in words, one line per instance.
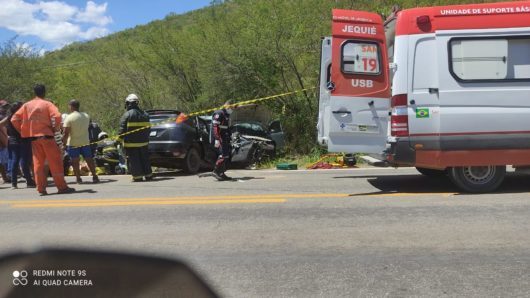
column 327, row 233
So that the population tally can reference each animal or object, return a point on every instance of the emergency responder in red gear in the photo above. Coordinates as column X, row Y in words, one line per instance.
column 222, row 137
column 39, row 119
column 136, row 143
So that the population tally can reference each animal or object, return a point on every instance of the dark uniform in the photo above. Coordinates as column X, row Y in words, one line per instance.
column 136, row 144
column 93, row 131
column 221, row 133
column 107, row 153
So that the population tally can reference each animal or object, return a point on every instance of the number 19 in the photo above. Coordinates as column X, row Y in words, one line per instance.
column 372, row 63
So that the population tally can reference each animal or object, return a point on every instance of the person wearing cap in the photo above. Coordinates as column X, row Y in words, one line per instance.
column 34, row 120
column 77, row 140
column 134, row 132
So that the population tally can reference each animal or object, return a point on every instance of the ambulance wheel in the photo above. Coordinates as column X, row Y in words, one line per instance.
column 478, row 179
column 432, row 172
column 192, row 161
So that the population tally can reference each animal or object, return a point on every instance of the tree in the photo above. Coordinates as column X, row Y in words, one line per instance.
column 19, row 70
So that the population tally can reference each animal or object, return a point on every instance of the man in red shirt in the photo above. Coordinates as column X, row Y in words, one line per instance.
column 34, row 120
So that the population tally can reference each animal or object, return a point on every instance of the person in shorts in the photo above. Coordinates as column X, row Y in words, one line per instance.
column 77, row 140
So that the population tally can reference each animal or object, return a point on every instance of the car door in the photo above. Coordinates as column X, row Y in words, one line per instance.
column 276, row 134
column 204, row 134
column 324, row 92
column 484, row 91
column 357, row 118
column 424, row 102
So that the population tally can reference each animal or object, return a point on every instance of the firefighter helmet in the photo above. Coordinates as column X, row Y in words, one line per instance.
column 132, row 98
column 102, row 135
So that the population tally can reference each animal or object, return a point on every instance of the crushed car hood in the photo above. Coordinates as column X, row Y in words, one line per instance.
column 256, row 138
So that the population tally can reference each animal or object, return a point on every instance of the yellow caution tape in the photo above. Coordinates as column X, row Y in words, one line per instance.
column 169, row 120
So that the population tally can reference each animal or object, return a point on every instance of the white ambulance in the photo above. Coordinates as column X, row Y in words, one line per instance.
column 460, row 102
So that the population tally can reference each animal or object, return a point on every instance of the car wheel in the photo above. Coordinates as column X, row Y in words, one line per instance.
column 432, row 172
column 272, row 155
column 478, row 178
column 254, row 156
column 192, row 161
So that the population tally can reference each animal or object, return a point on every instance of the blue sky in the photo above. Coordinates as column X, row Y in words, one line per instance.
column 51, row 24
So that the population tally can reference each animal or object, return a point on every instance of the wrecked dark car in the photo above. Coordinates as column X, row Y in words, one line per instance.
column 182, row 145
column 187, row 145
column 254, row 136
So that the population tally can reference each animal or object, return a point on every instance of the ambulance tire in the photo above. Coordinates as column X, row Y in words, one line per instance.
column 192, row 161
column 478, row 179
column 432, row 172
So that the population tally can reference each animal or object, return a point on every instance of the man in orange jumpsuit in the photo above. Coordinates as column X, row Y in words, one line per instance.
column 34, row 120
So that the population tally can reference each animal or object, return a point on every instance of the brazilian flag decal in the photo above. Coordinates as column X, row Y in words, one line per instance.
column 422, row 113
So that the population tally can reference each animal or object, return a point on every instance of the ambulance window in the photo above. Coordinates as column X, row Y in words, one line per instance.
column 519, row 59
column 479, row 59
column 360, row 58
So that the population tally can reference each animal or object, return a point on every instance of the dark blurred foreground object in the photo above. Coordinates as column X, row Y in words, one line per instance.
column 68, row 273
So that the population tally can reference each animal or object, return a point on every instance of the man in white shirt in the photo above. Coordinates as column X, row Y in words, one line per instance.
column 77, row 140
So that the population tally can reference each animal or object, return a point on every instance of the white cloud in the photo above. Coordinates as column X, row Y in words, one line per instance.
column 57, row 11
column 55, row 22
column 94, row 14
column 95, row 32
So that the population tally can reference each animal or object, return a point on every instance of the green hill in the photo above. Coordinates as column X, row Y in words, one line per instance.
column 239, row 49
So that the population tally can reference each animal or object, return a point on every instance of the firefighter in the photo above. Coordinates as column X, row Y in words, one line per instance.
column 93, row 132
column 136, row 143
column 221, row 137
column 39, row 119
column 107, row 153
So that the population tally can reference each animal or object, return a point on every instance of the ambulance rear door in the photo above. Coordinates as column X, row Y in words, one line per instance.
column 324, row 92
column 357, row 119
